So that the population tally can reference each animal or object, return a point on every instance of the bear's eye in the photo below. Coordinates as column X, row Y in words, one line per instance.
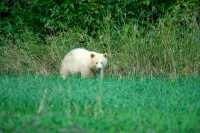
column 96, row 63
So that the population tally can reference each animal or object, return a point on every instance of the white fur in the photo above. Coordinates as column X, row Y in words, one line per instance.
column 79, row 60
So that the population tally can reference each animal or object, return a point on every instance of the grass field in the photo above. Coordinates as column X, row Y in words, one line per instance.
column 30, row 104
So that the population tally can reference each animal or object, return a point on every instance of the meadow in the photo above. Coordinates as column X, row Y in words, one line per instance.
column 152, row 80
column 39, row 103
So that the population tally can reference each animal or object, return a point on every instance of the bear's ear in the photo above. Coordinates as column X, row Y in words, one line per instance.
column 105, row 55
column 92, row 55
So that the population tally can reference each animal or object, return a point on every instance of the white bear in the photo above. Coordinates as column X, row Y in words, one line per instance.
column 87, row 63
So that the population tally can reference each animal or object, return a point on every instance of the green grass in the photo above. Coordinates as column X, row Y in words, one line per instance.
column 142, row 105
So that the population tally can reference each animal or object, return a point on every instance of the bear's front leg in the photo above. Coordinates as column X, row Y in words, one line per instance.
column 86, row 73
column 101, row 74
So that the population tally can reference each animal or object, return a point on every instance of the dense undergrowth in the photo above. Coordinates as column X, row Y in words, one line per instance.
column 166, row 48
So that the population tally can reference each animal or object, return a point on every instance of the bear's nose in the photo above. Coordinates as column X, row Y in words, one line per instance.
column 98, row 68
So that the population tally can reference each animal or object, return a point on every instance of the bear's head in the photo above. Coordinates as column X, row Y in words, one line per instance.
column 99, row 61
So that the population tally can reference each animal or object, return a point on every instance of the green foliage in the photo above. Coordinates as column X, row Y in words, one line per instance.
column 51, row 16
column 50, row 104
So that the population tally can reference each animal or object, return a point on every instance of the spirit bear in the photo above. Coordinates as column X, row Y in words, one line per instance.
column 84, row 62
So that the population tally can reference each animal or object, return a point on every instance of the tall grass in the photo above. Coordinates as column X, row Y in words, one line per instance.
column 170, row 47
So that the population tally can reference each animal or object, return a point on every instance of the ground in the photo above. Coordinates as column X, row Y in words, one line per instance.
column 31, row 103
